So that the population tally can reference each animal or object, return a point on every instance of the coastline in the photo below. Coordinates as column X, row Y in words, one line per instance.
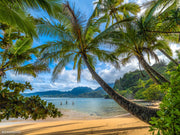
column 76, row 123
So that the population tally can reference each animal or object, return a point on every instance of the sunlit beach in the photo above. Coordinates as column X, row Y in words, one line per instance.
column 81, row 67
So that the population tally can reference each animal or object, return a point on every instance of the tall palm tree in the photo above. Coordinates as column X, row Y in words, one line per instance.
column 163, row 25
column 16, row 52
column 116, row 10
column 130, row 44
column 111, row 8
column 78, row 43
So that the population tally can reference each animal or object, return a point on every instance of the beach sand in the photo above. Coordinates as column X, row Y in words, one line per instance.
column 75, row 123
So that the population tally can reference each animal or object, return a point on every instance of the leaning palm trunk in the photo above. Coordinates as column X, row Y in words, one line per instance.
column 148, row 69
column 162, row 78
column 169, row 57
column 142, row 112
column 0, row 83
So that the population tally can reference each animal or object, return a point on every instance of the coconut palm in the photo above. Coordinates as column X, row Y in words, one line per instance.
column 112, row 8
column 116, row 10
column 167, row 14
column 130, row 44
column 163, row 25
column 109, row 6
column 78, row 43
column 16, row 52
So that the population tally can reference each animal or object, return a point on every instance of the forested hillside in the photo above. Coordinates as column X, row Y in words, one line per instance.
column 133, row 84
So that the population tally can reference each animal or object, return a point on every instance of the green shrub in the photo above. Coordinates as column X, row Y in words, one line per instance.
column 168, row 122
column 14, row 105
column 153, row 92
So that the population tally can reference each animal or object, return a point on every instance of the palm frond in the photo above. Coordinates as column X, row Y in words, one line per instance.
column 61, row 65
column 129, row 7
column 17, row 18
column 50, row 6
column 21, row 46
column 32, row 69
column 108, row 31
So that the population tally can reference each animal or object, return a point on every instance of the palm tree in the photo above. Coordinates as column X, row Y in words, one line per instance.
column 116, row 10
column 112, row 9
column 14, row 13
column 130, row 44
column 158, row 26
column 16, row 52
column 78, row 43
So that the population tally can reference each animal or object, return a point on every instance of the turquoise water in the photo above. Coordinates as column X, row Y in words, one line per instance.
column 93, row 106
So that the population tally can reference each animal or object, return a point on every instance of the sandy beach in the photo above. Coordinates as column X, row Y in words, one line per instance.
column 75, row 123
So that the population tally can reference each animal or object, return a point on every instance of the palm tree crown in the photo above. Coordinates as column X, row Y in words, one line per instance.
column 16, row 52
column 116, row 10
column 75, row 40
column 131, row 44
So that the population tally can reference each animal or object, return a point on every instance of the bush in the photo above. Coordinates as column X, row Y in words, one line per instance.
column 168, row 122
column 154, row 92
column 14, row 105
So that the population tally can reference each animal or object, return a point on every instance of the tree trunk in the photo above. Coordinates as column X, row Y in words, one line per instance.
column 142, row 112
column 169, row 57
column 0, row 82
column 161, row 77
column 146, row 68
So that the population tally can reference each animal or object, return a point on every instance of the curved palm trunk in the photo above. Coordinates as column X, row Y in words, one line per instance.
column 142, row 112
column 162, row 78
column 1, row 82
column 146, row 66
column 149, row 72
column 169, row 57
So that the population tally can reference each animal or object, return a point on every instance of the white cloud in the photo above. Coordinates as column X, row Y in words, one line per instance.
column 68, row 78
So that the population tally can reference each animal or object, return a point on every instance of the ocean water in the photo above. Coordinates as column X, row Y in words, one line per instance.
column 93, row 106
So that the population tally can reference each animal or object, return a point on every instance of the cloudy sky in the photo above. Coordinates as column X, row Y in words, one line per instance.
column 67, row 79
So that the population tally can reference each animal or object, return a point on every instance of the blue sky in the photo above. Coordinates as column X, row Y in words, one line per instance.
column 67, row 79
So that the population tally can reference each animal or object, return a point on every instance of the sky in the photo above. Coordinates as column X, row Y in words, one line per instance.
column 67, row 80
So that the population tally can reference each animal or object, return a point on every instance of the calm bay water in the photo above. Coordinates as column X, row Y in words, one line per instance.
column 93, row 106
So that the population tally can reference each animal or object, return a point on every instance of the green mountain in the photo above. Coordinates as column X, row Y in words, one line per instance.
column 85, row 92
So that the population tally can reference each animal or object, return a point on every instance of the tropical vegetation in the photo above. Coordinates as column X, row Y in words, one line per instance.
column 78, row 41
column 138, row 85
column 16, row 54
column 14, row 105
